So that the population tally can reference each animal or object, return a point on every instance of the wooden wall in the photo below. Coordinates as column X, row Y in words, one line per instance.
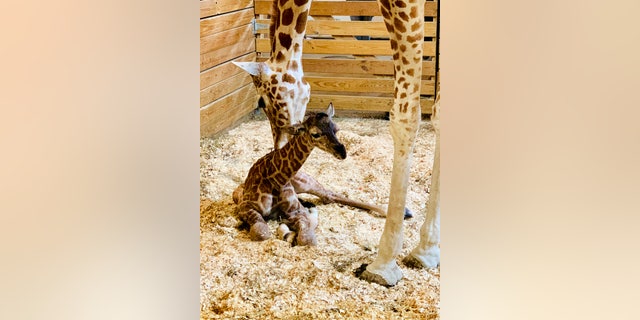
column 355, row 74
column 226, row 34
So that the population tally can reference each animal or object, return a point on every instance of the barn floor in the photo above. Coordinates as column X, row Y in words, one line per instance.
column 241, row 279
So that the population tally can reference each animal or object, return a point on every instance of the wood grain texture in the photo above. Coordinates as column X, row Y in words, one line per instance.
column 223, row 112
column 340, row 8
column 364, row 85
column 215, row 57
column 223, row 71
column 370, row 47
column 224, row 87
column 347, row 28
column 358, row 66
column 360, row 103
column 226, row 39
column 214, row 7
column 225, row 21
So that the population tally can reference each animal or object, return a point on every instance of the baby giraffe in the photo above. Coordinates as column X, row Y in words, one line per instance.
column 268, row 192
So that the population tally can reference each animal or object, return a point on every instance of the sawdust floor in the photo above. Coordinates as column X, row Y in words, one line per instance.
column 241, row 279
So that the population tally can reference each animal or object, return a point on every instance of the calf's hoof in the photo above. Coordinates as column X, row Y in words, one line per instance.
column 259, row 231
column 306, row 239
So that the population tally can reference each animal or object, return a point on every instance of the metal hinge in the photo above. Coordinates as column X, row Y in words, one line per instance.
column 257, row 26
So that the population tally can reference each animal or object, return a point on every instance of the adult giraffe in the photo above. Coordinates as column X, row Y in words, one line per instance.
column 404, row 20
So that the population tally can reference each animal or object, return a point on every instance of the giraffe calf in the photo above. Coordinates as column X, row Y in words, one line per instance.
column 268, row 192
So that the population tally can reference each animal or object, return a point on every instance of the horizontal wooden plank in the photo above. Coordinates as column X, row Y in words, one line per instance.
column 223, row 112
column 224, row 87
column 380, row 85
column 347, row 28
column 335, row 46
column 227, row 38
column 213, row 7
column 216, row 57
column 360, row 103
column 344, row 8
column 358, row 66
column 223, row 71
column 225, row 21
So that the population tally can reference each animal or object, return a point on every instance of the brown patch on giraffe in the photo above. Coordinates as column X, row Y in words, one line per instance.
column 395, row 91
column 415, row 27
column 400, row 4
column 273, row 91
column 301, row 22
column 397, row 68
column 405, row 85
column 387, row 17
column 293, row 65
column 304, row 148
column 403, row 48
column 415, row 37
column 282, row 2
column 274, row 80
column 405, row 61
column 394, row 44
column 288, row 78
column 396, row 56
column 417, row 59
column 403, row 95
column 399, row 25
column 280, row 178
column 296, row 47
column 297, row 153
column 300, row 2
column 285, row 40
column 386, row 4
column 401, row 80
column 416, row 88
column 264, row 188
column 410, row 72
column 403, row 16
column 414, row 12
column 282, row 89
column 287, row 17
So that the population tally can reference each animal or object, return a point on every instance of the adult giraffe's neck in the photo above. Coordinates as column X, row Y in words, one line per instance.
column 287, row 30
column 292, row 156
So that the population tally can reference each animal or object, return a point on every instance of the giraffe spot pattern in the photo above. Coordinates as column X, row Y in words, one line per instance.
column 285, row 40
column 301, row 22
column 287, row 17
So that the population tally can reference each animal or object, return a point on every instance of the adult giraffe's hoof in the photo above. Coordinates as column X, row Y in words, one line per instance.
column 387, row 278
column 430, row 259
column 259, row 231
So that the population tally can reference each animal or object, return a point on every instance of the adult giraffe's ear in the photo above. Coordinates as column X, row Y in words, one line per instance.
column 253, row 68
column 330, row 110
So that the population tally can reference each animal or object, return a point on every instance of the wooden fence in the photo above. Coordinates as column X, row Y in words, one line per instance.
column 346, row 58
column 226, row 34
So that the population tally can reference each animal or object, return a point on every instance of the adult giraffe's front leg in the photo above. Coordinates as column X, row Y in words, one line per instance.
column 405, row 22
column 427, row 253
